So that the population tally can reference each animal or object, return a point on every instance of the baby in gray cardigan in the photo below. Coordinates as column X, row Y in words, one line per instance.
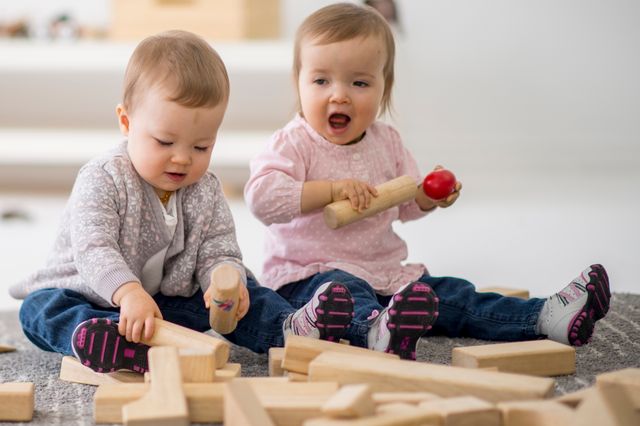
column 147, row 223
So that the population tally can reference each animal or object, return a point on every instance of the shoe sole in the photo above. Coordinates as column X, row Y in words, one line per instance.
column 412, row 313
column 334, row 312
column 581, row 327
column 99, row 346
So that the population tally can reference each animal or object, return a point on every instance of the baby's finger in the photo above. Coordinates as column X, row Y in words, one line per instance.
column 136, row 331
column 129, row 333
column 372, row 190
column 122, row 326
column 149, row 325
column 458, row 186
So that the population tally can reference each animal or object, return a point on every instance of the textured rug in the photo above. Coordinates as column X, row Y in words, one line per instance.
column 615, row 345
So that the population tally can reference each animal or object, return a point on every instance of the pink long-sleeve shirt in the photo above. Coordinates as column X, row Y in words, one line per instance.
column 300, row 245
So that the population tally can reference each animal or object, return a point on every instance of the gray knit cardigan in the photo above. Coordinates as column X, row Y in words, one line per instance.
column 113, row 223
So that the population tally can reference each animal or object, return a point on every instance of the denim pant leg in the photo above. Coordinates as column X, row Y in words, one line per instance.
column 365, row 300
column 463, row 312
column 261, row 328
column 50, row 316
column 188, row 312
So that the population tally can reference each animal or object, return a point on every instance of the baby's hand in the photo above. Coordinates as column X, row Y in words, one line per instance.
column 446, row 202
column 137, row 312
column 358, row 192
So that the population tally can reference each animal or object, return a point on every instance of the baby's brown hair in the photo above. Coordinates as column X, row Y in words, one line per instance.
column 194, row 71
column 346, row 21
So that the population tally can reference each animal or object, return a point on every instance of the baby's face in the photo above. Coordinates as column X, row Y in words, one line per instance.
column 341, row 86
column 170, row 145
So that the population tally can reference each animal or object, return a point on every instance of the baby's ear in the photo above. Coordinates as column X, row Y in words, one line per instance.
column 123, row 119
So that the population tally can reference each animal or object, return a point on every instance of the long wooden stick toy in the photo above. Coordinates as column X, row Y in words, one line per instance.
column 391, row 193
column 225, row 286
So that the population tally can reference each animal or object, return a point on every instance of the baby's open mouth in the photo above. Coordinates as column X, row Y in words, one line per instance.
column 339, row 121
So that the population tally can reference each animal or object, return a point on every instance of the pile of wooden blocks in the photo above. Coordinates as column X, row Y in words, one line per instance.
column 320, row 383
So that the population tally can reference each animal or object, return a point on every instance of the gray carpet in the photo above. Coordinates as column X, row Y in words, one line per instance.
column 615, row 345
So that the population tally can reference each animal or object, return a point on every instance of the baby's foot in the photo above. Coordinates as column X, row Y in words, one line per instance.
column 98, row 345
column 411, row 312
column 326, row 316
column 569, row 316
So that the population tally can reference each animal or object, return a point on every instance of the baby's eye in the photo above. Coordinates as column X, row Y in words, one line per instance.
column 163, row 143
column 361, row 84
column 202, row 148
column 320, row 81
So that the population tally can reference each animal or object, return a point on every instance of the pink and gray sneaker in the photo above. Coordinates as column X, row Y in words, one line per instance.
column 411, row 313
column 98, row 345
column 326, row 316
column 569, row 316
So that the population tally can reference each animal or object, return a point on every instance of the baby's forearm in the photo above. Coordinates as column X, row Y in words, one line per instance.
column 315, row 195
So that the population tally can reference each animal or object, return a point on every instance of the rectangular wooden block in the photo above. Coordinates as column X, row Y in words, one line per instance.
column 71, row 370
column 170, row 334
column 506, row 291
column 165, row 402
column 389, row 375
column 601, row 409
column 535, row 357
column 410, row 416
column 230, row 371
column 535, row 413
column 219, row 19
column 204, row 401
column 16, row 401
column 198, row 365
column 6, row 348
column 623, row 383
column 405, row 397
column 275, row 362
column 242, row 407
column 349, row 402
column 464, row 410
column 299, row 351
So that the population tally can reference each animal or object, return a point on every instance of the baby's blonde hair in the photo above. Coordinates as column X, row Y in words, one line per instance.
column 193, row 70
column 346, row 21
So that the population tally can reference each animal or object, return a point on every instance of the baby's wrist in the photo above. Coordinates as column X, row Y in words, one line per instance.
column 124, row 290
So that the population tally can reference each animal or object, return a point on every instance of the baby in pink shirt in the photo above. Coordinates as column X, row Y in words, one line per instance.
column 336, row 150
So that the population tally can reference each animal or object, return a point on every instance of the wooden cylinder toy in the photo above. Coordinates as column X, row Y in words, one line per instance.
column 225, row 291
column 391, row 193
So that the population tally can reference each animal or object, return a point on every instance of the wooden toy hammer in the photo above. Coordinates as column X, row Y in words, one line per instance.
column 391, row 193
column 225, row 286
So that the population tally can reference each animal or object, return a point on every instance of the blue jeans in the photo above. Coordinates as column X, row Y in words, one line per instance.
column 463, row 312
column 49, row 317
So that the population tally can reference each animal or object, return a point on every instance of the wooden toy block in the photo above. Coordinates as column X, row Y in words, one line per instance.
column 275, row 362
column 391, row 193
column 349, row 402
column 394, row 407
column 71, row 370
column 573, row 399
column 242, row 407
column 6, row 348
column 297, row 377
column 411, row 416
column 16, row 401
column 623, row 384
column 197, row 365
column 225, row 291
column 299, row 351
column 535, row 357
column 204, row 401
column 165, row 403
column 535, row 413
column 464, row 410
column 230, row 371
column 601, row 409
column 169, row 334
column 506, row 291
column 391, row 375
column 405, row 397
column 344, row 342
column 290, row 404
